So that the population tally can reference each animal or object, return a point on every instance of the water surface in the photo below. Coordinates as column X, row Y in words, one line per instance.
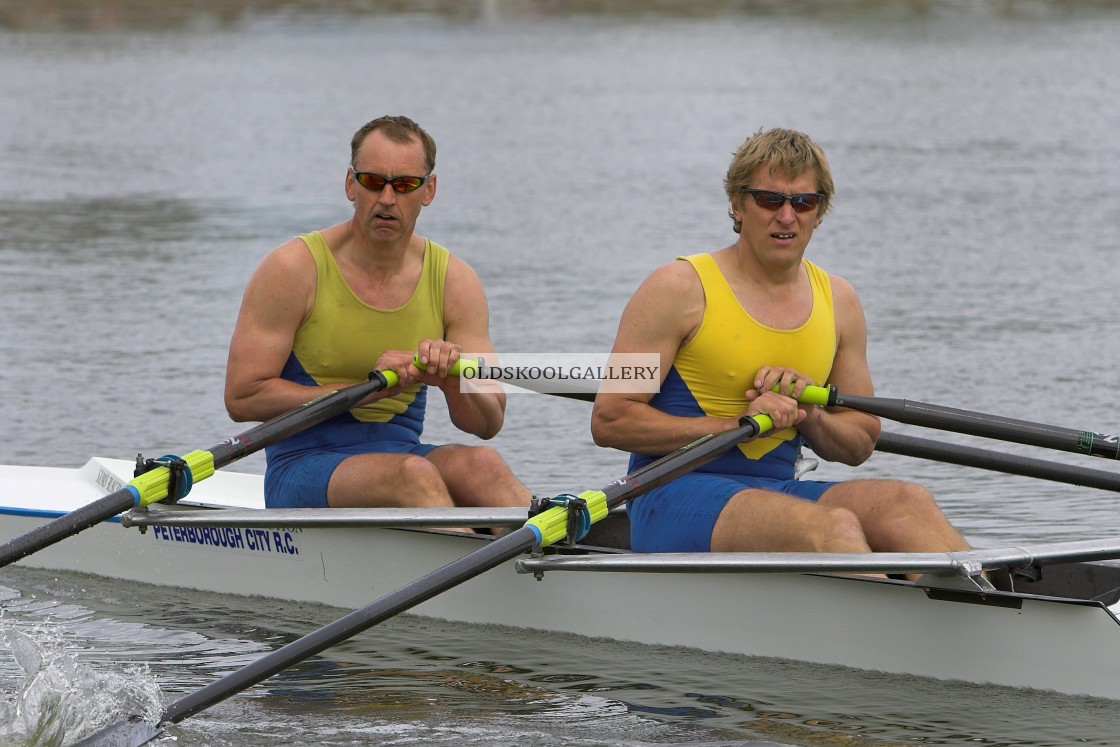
column 151, row 154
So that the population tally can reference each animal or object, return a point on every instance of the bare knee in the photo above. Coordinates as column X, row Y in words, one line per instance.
column 417, row 468
column 478, row 476
column 914, row 523
column 910, row 494
column 910, row 502
column 420, row 483
column 836, row 530
column 494, row 482
column 486, row 462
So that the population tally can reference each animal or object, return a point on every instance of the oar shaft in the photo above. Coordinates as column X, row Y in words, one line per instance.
column 451, row 575
column 971, row 423
column 312, row 413
column 686, row 459
column 476, row 368
column 66, row 526
column 896, row 443
column 492, row 555
column 1012, row 464
column 153, row 486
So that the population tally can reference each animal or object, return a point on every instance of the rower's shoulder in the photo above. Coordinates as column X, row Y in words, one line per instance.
column 459, row 270
column 670, row 298
column 678, row 276
column 298, row 251
column 290, row 259
column 843, row 292
column 462, row 287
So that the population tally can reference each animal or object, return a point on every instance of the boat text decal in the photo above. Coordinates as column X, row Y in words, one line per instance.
column 272, row 541
column 108, row 481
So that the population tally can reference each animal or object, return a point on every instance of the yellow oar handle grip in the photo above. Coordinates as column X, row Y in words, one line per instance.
column 461, row 365
column 814, row 395
column 762, row 421
column 457, row 368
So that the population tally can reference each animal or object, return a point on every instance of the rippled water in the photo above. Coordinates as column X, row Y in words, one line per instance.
column 414, row 681
column 150, row 154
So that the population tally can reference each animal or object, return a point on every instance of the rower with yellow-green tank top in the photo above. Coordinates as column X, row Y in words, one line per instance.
column 325, row 308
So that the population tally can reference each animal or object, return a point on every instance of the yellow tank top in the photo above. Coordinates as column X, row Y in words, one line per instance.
column 718, row 365
column 343, row 337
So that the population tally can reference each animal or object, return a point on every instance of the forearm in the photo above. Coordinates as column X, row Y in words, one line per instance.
column 840, row 435
column 638, row 427
column 481, row 414
column 267, row 399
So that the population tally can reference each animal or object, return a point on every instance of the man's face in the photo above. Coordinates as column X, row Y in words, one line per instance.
column 784, row 231
column 385, row 214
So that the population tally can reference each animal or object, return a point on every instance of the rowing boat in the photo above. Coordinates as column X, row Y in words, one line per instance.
column 1050, row 621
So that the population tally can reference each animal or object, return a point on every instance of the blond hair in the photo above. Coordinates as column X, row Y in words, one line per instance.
column 786, row 152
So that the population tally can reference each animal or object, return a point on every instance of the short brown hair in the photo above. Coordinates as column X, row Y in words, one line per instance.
column 399, row 130
column 784, row 151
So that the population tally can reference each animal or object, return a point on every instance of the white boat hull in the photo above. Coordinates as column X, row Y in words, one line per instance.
column 1024, row 640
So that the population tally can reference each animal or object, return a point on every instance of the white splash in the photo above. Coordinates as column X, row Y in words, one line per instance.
column 62, row 699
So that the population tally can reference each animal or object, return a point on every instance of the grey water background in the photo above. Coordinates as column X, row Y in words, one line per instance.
column 150, row 154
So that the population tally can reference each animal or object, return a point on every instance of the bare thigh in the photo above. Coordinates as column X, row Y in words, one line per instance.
column 765, row 521
column 387, row 480
column 896, row 516
column 477, row 476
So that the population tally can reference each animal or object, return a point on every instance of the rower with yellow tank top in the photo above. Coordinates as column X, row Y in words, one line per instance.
column 324, row 309
column 731, row 326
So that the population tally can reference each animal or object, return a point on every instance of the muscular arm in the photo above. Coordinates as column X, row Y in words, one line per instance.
column 277, row 299
column 663, row 313
column 839, row 434
column 467, row 325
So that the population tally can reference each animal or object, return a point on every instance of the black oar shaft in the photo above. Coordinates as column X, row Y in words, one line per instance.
column 968, row 456
column 65, row 526
column 980, row 424
column 672, row 466
column 449, row 576
column 280, row 427
column 490, row 556
column 1012, row 464
column 230, row 450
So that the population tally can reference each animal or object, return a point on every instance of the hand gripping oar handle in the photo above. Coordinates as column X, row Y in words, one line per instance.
column 969, row 456
column 542, row 530
column 971, row 423
column 152, row 486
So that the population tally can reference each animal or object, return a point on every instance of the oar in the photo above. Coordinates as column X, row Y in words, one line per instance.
column 1012, row 464
column 938, row 451
column 968, row 422
column 548, row 527
column 476, row 369
column 906, row 411
column 153, row 486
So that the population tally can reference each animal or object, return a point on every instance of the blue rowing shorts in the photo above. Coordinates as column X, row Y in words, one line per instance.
column 680, row 516
column 299, row 479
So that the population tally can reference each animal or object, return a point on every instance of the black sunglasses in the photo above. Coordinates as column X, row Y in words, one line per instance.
column 802, row 202
column 375, row 182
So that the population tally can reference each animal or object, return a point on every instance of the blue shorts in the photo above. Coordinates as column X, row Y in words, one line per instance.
column 680, row 516
column 299, row 479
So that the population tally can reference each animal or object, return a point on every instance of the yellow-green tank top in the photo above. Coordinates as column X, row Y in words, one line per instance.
column 342, row 339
